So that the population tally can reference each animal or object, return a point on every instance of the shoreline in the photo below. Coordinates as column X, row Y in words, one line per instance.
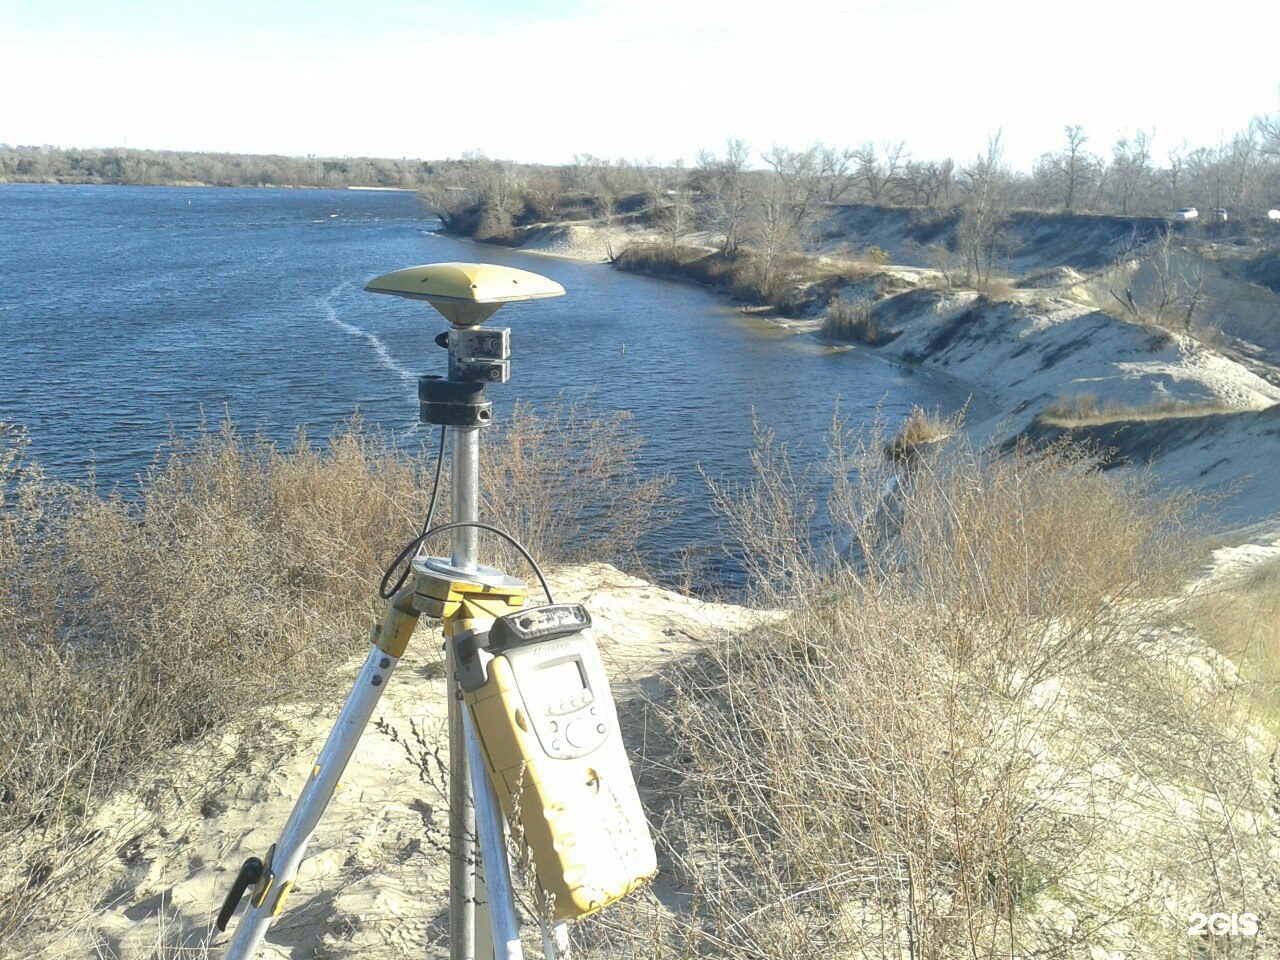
column 1038, row 348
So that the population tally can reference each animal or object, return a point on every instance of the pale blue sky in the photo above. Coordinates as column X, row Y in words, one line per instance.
column 653, row 79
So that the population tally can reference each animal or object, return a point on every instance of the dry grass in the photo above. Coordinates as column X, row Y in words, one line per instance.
column 919, row 429
column 853, row 321
column 238, row 575
column 566, row 481
column 998, row 289
column 1242, row 621
column 967, row 739
column 975, row 734
column 794, row 283
column 1084, row 410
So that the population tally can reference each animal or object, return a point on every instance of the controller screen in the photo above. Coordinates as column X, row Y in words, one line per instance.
column 560, row 679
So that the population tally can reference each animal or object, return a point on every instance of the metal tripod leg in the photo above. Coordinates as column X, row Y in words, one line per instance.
column 503, row 923
column 278, row 872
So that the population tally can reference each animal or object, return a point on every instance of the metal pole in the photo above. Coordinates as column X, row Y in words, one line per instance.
column 463, row 851
column 466, row 495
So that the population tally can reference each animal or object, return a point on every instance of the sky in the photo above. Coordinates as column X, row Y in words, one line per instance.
column 653, row 80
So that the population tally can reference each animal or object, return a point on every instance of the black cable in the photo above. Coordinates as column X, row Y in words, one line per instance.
column 416, row 542
column 427, row 530
column 457, row 525
column 383, row 592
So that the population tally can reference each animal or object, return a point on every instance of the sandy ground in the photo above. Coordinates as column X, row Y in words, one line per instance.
column 374, row 883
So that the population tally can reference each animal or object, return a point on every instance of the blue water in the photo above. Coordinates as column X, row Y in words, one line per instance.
column 126, row 312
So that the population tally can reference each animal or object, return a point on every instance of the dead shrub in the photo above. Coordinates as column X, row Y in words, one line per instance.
column 1086, row 410
column 970, row 733
column 236, row 575
column 566, row 481
column 920, row 428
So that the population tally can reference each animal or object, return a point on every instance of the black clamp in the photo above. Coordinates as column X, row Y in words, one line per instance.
column 450, row 403
column 250, row 873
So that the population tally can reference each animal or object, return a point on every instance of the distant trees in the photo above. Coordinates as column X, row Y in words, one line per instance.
column 1071, row 171
column 1130, row 177
column 671, row 205
column 152, row 167
column 928, row 184
column 781, row 210
column 738, row 196
column 877, row 179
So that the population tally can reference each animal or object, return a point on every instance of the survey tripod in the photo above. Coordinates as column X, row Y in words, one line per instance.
column 532, row 728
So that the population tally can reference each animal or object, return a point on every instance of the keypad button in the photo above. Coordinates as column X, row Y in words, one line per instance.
column 576, row 734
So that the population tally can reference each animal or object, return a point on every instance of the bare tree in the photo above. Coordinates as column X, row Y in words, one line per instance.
column 796, row 174
column 878, row 179
column 782, row 211
column 1131, row 169
column 1240, row 162
column 1268, row 130
column 543, row 189
column 671, row 207
column 1204, row 175
column 983, row 213
column 723, row 183
column 1176, row 290
column 1074, row 166
column 1173, row 173
column 496, row 189
column 835, row 172
column 927, row 183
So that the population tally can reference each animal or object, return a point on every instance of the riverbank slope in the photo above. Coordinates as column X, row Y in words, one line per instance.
column 1045, row 346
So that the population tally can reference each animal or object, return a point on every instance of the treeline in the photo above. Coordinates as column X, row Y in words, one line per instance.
column 168, row 167
column 1241, row 175
column 761, row 221
column 763, row 209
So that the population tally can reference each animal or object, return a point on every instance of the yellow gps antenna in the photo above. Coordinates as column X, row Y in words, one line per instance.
column 466, row 293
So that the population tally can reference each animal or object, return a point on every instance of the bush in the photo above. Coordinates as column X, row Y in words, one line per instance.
column 237, row 575
column 1086, row 410
column 969, row 736
column 920, row 429
column 853, row 321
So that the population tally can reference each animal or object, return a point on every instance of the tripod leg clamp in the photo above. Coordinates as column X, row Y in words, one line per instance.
column 250, row 874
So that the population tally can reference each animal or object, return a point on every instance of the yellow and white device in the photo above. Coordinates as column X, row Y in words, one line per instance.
column 548, row 730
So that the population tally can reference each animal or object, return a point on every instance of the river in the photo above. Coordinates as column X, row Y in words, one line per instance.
column 127, row 310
